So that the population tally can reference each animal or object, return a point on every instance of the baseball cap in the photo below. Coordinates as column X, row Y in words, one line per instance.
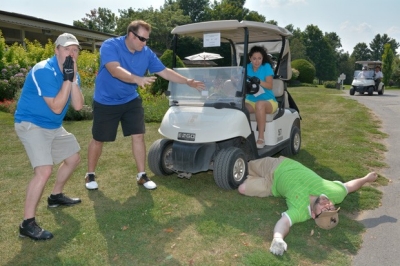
column 364, row 68
column 328, row 219
column 67, row 39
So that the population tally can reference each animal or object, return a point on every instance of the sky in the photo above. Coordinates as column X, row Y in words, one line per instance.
column 354, row 21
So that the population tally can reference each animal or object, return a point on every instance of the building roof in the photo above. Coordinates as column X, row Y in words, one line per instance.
column 16, row 27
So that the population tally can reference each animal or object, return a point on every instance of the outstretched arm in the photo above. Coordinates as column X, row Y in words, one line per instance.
column 356, row 184
column 278, row 245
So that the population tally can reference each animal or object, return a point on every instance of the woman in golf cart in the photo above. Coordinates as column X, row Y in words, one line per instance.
column 262, row 102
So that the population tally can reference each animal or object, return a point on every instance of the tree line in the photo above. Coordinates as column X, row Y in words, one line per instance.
column 322, row 49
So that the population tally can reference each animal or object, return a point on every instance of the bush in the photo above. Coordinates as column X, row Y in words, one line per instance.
column 161, row 85
column 306, row 70
column 330, row 84
column 86, row 113
column 295, row 74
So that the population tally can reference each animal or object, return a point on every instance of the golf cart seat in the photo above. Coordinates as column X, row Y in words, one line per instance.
column 278, row 87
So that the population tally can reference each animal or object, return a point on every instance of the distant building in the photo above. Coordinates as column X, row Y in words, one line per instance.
column 17, row 27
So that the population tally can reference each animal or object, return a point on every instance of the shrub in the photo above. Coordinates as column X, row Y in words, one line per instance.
column 306, row 69
column 8, row 106
column 86, row 113
column 161, row 85
column 295, row 74
column 330, row 84
column 88, row 65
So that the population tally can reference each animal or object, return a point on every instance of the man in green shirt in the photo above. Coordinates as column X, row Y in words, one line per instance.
column 307, row 194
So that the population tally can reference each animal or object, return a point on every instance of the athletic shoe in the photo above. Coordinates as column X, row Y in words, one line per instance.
column 91, row 183
column 61, row 199
column 33, row 231
column 146, row 182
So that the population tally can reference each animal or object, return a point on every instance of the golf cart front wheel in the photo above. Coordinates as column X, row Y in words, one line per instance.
column 159, row 158
column 352, row 91
column 230, row 168
column 370, row 90
column 294, row 143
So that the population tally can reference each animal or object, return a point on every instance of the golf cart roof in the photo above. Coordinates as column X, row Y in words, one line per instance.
column 272, row 37
column 369, row 63
column 229, row 29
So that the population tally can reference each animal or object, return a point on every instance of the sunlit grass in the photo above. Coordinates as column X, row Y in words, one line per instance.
column 192, row 222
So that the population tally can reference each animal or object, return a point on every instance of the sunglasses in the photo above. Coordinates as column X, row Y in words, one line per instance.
column 142, row 39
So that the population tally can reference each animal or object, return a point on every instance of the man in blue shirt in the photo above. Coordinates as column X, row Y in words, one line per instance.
column 48, row 89
column 124, row 61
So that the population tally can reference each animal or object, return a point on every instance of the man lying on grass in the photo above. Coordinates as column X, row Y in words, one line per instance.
column 307, row 194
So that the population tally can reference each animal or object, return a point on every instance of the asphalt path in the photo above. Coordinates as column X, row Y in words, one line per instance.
column 382, row 238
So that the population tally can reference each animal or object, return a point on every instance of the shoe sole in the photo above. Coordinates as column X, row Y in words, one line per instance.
column 56, row 205
column 92, row 188
column 34, row 238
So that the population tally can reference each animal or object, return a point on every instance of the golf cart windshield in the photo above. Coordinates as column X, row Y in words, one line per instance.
column 364, row 74
column 223, row 88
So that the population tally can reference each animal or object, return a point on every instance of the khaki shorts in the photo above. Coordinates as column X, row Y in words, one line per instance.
column 46, row 146
column 261, row 176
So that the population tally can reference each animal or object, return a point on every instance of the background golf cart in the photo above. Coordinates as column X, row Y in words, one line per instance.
column 213, row 130
column 366, row 84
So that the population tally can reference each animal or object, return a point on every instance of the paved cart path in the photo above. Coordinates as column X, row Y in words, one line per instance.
column 382, row 238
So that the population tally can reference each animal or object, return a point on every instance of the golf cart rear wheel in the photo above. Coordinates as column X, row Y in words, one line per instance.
column 230, row 168
column 382, row 90
column 295, row 142
column 159, row 158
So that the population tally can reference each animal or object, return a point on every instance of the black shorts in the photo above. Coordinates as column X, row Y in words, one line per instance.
column 106, row 119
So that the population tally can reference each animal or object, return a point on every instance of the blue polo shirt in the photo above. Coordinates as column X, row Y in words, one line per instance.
column 43, row 80
column 112, row 91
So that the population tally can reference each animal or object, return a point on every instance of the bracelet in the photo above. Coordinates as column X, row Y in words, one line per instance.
column 75, row 82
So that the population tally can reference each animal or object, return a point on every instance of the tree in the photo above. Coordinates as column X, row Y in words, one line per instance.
column 387, row 61
column 334, row 40
column 378, row 43
column 297, row 49
column 195, row 9
column 102, row 19
column 319, row 52
column 361, row 52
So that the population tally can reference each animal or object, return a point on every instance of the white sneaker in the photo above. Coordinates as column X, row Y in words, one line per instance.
column 91, row 183
column 146, row 182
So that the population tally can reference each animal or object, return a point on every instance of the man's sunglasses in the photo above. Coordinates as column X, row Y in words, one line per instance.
column 142, row 39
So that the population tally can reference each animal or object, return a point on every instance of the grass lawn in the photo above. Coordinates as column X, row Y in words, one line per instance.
column 192, row 222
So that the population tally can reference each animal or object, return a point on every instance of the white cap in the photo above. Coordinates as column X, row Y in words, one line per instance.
column 67, row 39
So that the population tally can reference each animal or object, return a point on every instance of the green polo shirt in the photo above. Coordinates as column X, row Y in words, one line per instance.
column 295, row 182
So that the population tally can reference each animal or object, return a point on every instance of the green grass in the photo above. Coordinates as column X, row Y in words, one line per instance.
column 192, row 222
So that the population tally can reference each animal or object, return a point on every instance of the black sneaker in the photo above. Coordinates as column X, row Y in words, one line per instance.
column 34, row 231
column 61, row 199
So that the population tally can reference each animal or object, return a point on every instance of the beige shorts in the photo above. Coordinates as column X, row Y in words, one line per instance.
column 46, row 146
column 261, row 175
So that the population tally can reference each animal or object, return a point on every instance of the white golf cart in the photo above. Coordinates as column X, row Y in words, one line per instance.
column 212, row 129
column 364, row 79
